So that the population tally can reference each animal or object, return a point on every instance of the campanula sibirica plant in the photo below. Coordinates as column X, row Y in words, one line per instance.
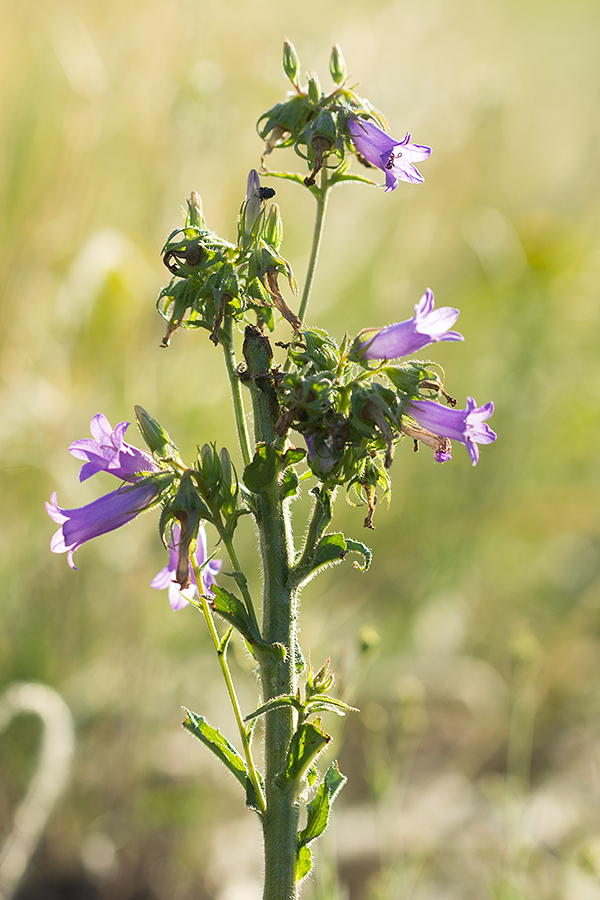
column 327, row 411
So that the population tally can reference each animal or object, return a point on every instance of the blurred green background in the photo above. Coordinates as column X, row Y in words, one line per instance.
column 472, row 646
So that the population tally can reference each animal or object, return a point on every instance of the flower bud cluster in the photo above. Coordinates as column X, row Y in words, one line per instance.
column 214, row 280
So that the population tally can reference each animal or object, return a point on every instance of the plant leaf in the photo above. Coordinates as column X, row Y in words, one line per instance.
column 303, row 862
column 220, row 746
column 275, row 703
column 233, row 611
column 308, row 741
column 358, row 547
column 319, row 808
column 331, row 548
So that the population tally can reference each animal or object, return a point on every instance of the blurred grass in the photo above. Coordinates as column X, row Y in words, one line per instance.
column 474, row 763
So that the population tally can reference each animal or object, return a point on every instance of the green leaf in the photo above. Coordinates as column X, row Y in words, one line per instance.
column 308, row 741
column 233, row 611
column 319, row 808
column 260, row 474
column 359, row 547
column 289, row 485
column 328, row 704
column 275, row 703
column 331, row 548
column 303, row 863
column 292, row 456
column 220, row 746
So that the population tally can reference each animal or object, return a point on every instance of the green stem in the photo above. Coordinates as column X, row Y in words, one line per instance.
column 316, row 244
column 236, row 392
column 240, row 579
column 222, row 656
column 277, row 670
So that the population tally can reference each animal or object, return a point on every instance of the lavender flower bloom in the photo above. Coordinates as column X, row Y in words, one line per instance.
column 395, row 158
column 108, row 452
column 101, row 516
column 464, row 425
column 166, row 578
column 426, row 326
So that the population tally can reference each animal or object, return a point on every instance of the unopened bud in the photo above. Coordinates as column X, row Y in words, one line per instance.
column 252, row 203
column 273, row 232
column 337, row 64
column 314, row 88
column 195, row 216
column 291, row 61
column 154, row 434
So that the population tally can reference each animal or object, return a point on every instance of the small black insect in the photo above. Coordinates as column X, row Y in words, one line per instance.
column 266, row 193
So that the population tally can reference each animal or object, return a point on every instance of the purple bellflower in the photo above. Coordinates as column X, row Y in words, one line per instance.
column 394, row 158
column 464, row 425
column 107, row 452
column 426, row 326
column 167, row 576
column 103, row 515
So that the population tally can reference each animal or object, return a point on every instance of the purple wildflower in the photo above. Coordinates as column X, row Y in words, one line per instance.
column 108, row 452
column 464, row 425
column 103, row 515
column 166, row 578
column 395, row 158
column 426, row 326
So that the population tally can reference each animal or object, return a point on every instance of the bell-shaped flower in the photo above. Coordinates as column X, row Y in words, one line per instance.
column 167, row 577
column 103, row 515
column 464, row 425
column 425, row 327
column 394, row 158
column 107, row 451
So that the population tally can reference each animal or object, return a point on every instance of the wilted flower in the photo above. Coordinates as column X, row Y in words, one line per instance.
column 103, row 515
column 464, row 425
column 167, row 577
column 426, row 326
column 108, row 452
column 395, row 158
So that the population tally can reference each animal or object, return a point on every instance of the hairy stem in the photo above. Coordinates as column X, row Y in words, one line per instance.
column 316, row 244
column 277, row 670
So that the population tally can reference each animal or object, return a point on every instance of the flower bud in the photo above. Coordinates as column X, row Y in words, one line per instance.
column 314, row 88
column 337, row 65
column 273, row 231
column 209, row 470
column 154, row 434
column 291, row 61
column 195, row 217
column 251, row 208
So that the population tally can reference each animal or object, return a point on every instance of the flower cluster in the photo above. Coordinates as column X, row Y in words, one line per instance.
column 148, row 481
column 323, row 128
column 350, row 418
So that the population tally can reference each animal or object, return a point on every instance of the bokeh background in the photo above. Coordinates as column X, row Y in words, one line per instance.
column 472, row 646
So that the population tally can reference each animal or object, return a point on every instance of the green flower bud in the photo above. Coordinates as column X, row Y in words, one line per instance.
column 273, row 230
column 314, row 88
column 154, row 434
column 337, row 65
column 291, row 61
column 195, row 217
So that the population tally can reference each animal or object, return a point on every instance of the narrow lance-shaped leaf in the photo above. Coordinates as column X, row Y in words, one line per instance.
column 220, row 746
